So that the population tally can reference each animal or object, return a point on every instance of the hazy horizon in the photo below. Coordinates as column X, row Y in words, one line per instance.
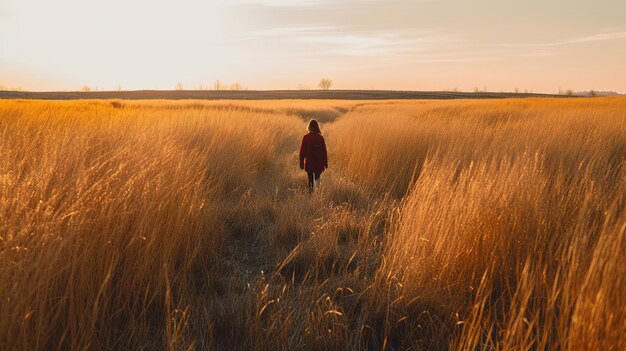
column 277, row 44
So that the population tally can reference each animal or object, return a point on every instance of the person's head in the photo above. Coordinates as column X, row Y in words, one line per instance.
column 314, row 127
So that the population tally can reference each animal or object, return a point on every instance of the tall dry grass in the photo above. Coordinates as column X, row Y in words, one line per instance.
column 186, row 225
column 510, row 233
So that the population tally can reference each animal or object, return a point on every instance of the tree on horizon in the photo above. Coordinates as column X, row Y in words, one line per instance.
column 325, row 84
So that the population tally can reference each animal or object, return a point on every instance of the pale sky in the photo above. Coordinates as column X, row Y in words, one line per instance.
column 279, row 44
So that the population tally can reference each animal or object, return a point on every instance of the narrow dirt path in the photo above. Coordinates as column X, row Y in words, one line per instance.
column 289, row 246
column 247, row 257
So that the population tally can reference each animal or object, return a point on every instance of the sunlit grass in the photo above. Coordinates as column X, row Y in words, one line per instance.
column 187, row 225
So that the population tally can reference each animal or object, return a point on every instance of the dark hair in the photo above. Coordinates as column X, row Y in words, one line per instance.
column 314, row 126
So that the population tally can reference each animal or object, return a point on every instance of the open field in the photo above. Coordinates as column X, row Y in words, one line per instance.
column 466, row 224
column 261, row 95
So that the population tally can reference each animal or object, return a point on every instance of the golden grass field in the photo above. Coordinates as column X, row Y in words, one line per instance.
column 186, row 225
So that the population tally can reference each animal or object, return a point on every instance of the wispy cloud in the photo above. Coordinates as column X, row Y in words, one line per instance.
column 301, row 3
column 326, row 39
column 616, row 35
column 355, row 50
column 279, row 3
column 540, row 53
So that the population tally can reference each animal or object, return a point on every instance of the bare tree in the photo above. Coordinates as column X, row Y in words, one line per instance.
column 325, row 84
column 85, row 88
column 236, row 86
column 218, row 85
column 180, row 86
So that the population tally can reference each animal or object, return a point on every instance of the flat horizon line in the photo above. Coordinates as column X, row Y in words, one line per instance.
column 274, row 94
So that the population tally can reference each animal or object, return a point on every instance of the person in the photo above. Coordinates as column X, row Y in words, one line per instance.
column 313, row 154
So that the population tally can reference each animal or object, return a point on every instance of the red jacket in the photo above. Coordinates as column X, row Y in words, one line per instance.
column 313, row 155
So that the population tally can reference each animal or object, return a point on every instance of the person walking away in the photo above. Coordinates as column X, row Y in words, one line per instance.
column 313, row 154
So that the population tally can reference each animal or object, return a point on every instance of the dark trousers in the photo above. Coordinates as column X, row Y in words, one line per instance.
column 313, row 177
